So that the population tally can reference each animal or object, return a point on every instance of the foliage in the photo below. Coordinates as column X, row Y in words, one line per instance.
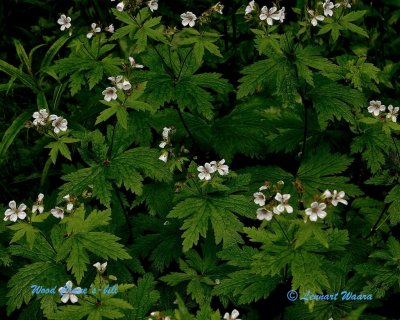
column 196, row 167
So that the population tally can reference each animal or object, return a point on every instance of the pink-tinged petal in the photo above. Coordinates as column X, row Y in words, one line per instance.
column 12, row 204
column 9, row 212
column 321, row 214
column 313, row 217
column 73, row 298
column 278, row 197
column 13, row 217
column 21, row 215
column 65, row 298
column 322, row 206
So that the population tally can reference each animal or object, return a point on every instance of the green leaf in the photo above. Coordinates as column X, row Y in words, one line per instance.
column 319, row 171
column 23, row 56
column 143, row 298
column 11, row 134
column 47, row 274
column 332, row 100
column 51, row 53
column 25, row 79
column 198, row 213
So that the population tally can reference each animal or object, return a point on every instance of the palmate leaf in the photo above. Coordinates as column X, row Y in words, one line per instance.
column 198, row 213
column 198, row 272
column 158, row 240
column 276, row 73
column 143, row 298
column 123, row 169
column 241, row 131
column 382, row 273
column 332, row 100
column 46, row 273
column 320, row 170
column 247, row 286
column 83, row 238
column 394, row 209
column 373, row 145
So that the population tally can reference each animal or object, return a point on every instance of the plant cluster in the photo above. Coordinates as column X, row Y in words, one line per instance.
column 214, row 159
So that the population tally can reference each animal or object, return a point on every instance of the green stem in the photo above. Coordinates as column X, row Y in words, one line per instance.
column 286, row 236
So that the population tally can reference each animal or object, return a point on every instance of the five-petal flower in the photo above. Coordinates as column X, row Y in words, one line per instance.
column 375, row 107
column 95, row 29
column 188, row 18
column 64, row 21
column 40, row 117
column 316, row 210
column 59, row 123
column 110, row 93
column 283, row 199
column 393, row 113
column 14, row 213
column 68, row 293
column 315, row 17
column 205, row 171
column 269, row 15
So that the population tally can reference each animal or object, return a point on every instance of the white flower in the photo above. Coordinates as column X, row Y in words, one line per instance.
column 59, row 123
column 110, row 28
column 162, row 144
column 393, row 113
column 101, row 267
column 205, row 172
column 70, row 202
column 14, row 213
column 338, row 197
column 110, row 94
column 115, row 80
column 328, row 6
column 120, row 6
column 165, row 133
column 283, row 199
column 134, row 64
column 276, row 211
column 281, row 14
column 250, row 7
column 316, row 210
column 164, row 156
column 264, row 214
column 57, row 212
column 233, row 316
column 68, row 293
column 219, row 166
column 269, row 15
column 315, row 17
column 263, row 187
column 94, row 30
column 376, row 107
column 153, row 5
column 38, row 206
column 259, row 198
column 64, row 21
column 125, row 85
column 40, row 117
column 188, row 18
